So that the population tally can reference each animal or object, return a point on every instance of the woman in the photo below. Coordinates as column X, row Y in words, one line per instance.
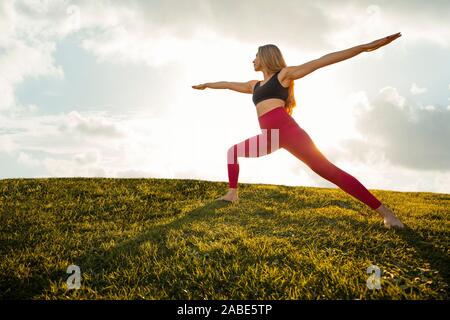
column 274, row 101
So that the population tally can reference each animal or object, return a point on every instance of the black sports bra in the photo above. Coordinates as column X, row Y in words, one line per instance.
column 271, row 89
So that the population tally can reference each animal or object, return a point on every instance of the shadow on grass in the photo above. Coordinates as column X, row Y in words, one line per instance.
column 437, row 259
column 99, row 261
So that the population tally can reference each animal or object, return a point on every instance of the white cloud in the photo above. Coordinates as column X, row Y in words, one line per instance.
column 421, row 145
column 44, row 20
column 69, row 168
column 83, row 164
column 24, row 52
column 20, row 61
column 64, row 134
column 363, row 21
column 415, row 89
column 359, row 102
column 97, row 172
column 354, row 24
column 28, row 160
column 392, row 96
column 7, row 144
column 90, row 125
column 158, row 33
column 61, row 168
column 90, row 144
column 89, row 157
column 429, row 107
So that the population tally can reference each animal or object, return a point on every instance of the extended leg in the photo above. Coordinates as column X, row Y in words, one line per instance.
column 299, row 143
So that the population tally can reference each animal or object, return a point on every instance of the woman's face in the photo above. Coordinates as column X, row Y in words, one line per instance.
column 257, row 63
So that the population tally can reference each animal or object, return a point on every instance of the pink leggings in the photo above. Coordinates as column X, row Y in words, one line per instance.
column 279, row 130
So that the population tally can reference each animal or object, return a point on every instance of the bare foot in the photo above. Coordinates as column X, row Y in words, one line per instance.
column 231, row 196
column 390, row 220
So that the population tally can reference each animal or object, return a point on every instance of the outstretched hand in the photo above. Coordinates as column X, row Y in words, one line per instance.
column 380, row 42
column 200, row 86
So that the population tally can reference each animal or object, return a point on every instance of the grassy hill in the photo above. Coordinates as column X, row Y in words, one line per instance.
column 169, row 239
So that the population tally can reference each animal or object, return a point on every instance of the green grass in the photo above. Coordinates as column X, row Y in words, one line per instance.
column 169, row 239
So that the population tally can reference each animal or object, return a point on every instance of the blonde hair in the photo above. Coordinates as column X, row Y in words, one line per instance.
column 273, row 61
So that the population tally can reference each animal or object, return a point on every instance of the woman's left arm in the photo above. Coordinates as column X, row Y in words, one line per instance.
column 353, row 51
column 296, row 72
column 340, row 55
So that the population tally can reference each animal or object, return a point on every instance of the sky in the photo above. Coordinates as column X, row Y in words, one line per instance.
column 104, row 89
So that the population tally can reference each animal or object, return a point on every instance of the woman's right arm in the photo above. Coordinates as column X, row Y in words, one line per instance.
column 243, row 87
column 212, row 85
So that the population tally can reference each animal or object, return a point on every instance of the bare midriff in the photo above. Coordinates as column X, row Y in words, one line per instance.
column 268, row 105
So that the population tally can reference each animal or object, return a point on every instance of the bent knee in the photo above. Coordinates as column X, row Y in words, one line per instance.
column 231, row 151
column 232, row 155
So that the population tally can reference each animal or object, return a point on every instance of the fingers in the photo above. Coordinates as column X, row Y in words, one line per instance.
column 382, row 41
column 390, row 38
column 395, row 35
